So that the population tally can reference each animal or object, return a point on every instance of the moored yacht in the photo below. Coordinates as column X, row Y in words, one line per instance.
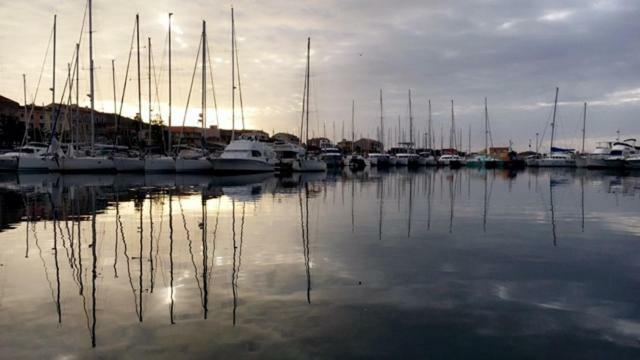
column 332, row 157
column 596, row 158
column 619, row 153
column 158, row 163
column 451, row 160
column 9, row 161
column 558, row 158
column 633, row 161
column 379, row 159
column 427, row 158
column 245, row 156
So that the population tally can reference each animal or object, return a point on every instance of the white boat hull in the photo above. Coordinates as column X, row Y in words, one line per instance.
column 239, row 166
column 159, row 164
column 308, row 165
column 193, row 165
column 33, row 164
column 8, row 163
column 83, row 164
column 128, row 164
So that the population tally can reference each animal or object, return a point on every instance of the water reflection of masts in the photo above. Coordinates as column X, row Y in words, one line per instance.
column 94, row 273
column 410, row 206
column 205, row 259
column 151, row 270
column 452, row 197
column 430, row 186
column 582, row 201
column 126, row 256
column 304, row 227
column 381, row 192
column 353, row 201
column 141, row 268
column 487, row 198
column 553, row 214
column 171, row 290
column 190, row 242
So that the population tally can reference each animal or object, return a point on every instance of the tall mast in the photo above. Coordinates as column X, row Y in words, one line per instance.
column 584, row 125
column 53, row 85
column 77, row 128
column 353, row 115
column 429, row 127
column 24, row 89
column 553, row 122
column 91, row 85
column 410, row 120
column 233, row 78
column 115, row 101
column 469, row 148
column 149, row 85
column 308, row 86
column 381, row 122
column 139, row 76
column 452, row 135
column 204, row 82
column 169, row 132
column 486, row 128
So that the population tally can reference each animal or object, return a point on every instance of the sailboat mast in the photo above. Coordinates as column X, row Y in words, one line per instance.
column 233, row 78
column 353, row 131
column 77, row 128
column 308, row 86
column 486, row 128
column 115, row 101
column 53, row 85
column 381, row 122
column 410, row 120
column 139, row 77
column 170, row 109
column 584, row 125
column 24, row 89
column 429, row 126
column 452, row 135
column 91, row 84
column 149, row 83
column 553, row 122
column 204, row 82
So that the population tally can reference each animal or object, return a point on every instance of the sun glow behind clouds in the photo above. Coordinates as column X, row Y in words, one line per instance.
column 556, row 15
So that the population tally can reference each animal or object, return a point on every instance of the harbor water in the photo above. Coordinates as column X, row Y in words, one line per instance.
column 429, row 264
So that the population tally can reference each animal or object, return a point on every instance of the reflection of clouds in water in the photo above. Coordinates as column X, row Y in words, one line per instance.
column 503, row 291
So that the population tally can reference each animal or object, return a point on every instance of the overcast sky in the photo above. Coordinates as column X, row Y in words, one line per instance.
column 513, row 52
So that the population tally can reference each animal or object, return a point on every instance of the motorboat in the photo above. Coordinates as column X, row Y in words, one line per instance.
column 308, row 163
column 402, row 159
column 596, row 158
column 379, row 159
column 245, row 156
column 357, row 162
column 9, row 160
column 558, row 158
column 427, row 159
column 286, row 154
column 332, row 157
column 633, row 161
column 451, row 160
column 620, row 151
column 482, row 161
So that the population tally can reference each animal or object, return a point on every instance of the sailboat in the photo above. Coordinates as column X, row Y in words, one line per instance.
column 193, row 159
column 408, row 157
column 157, row 163
column 581, row 159
column 557, row 157
column 33, row 157
column 452, row 159
column 93, row 161
column 486, row 160
column 307, row 162
column 380, row 160
column 244, row 155
column 124, row 160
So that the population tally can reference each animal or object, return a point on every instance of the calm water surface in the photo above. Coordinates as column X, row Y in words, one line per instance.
column 400, row 264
